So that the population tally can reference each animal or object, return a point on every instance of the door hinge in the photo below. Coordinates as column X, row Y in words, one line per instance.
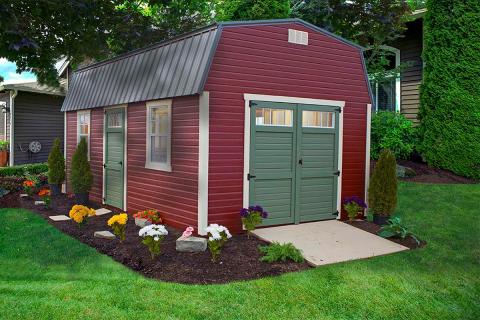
column 337, row 173
column 104, row 165
column 252, row 104
column 250, row 176
column 335, row 213
column 339, row 110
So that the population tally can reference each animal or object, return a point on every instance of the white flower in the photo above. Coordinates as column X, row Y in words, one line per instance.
column 215, row 232
column 153, row 230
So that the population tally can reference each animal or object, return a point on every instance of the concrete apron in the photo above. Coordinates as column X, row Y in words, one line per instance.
column 332, row 241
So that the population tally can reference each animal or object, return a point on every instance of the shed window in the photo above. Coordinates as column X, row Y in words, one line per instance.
column 273, row 117
column 83, row 128
column 318, row 119
column 159, row 139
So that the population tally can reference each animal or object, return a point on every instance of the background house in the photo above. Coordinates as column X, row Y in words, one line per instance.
column 261, row 112
column 31, row 120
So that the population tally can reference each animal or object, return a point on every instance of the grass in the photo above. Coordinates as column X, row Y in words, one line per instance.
column 45, row 274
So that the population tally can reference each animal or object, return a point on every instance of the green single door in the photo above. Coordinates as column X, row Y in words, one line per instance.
column 114, row 157
column 293, row 161
column 317, row 165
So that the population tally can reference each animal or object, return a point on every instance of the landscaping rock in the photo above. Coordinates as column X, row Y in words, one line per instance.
column 59, row 218
column 23, row 195
column 104, row 235
column 405, row 172
column 37, row 203
column 142, row 222
column 102, row 211
column 191, row 244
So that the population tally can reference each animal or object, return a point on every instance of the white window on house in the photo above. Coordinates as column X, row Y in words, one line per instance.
column 159, row 135
column 273, row 117
column 318, row 119
column 83, row 128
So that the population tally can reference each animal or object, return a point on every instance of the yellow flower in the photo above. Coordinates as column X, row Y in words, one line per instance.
column 79, row 213
column 118, row 218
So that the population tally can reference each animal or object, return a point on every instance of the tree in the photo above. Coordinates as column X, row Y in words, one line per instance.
column 35, row 34
column 450, row 94
column 56, row 164
column 81, row 175
column 382, row 192
column 229, row 10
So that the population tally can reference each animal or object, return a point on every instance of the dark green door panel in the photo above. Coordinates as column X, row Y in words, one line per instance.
column 114, row 157
column 293, row 164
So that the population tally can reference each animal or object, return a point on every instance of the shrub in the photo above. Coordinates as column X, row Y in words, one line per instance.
column 450, row 94
column 22, row 170
column 81, row 175
column 252, row 217
column 382, row 192
column 280, row 252
column 352, row 205
column 153, row 236
column 80, row 214
column 56, row 164
column 44, row 194
column 395, row 228
column 4, row 145
column 217, row 236
column 391, row 130
column 118, row 223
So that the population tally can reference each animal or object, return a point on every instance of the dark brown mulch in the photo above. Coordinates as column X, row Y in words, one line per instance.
column 426, row 174
column 374, row 228
column 239, row 260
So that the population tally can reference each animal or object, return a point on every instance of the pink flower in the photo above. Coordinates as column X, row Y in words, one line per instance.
column 188, row 232
column 189, row 229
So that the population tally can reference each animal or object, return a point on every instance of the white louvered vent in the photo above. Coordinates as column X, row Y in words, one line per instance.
column 297, row 36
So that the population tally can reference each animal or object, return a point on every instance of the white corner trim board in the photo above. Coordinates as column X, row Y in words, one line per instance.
column 203, row 150
column 246, row 138
column 367, row 152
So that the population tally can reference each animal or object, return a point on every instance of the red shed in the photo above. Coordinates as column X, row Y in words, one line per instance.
column 274, row 113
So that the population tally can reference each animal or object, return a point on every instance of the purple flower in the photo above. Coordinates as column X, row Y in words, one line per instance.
column 264, row 214
column 359, row 201
column 244, row 212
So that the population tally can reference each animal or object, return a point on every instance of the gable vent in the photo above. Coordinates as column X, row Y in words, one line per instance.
column 297, row 36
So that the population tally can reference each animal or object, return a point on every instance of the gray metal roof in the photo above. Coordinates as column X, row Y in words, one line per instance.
column 176, row 67
column 33, row 87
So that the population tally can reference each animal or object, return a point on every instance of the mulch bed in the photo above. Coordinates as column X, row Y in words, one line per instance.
column 239, row 260
column 371, row 227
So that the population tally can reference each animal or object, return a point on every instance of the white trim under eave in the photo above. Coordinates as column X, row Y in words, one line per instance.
column 203, row 157
column 246, row 137
column 13, row 94
column 367, row 152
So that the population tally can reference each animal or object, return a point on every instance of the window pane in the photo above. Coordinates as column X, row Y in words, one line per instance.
column 158, row 147
column 273, row 117
column 159, row 121
column 318, row 119
column 386, row 95
column 114, row 120
column 83, row 129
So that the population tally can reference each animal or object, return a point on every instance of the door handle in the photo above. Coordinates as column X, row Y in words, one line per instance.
column 120, row 162
column 300, row 162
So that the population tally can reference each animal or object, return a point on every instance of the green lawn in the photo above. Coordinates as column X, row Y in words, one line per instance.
column 47, row 275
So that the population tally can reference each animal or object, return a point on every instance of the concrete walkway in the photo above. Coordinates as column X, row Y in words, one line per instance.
column 332, row 241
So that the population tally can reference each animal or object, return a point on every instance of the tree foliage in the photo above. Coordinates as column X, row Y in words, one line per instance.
column 56, row 164
column 450, row 94
column 81, row 175
column 228, row 10
column 382, row 192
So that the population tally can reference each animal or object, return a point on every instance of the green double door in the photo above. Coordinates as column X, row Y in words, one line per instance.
column 114, row 165
column 294, row 161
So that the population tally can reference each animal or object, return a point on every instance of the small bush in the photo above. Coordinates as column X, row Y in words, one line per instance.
column 280, row 252
column 382, row 192
column 81, row 175
column 391, row 130
column 4, row 145
column 56, row 164
column 395, row 228
column 22, row 170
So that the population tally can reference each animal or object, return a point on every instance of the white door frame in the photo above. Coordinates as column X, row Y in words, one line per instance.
column 246, row 138
column 122, row 106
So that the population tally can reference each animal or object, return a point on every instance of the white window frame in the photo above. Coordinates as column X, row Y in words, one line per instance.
column 167, row 166
column 80, row 113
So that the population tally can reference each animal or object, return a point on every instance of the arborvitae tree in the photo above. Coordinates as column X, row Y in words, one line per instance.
column 382, row 193
column 56, row 164
column 81, row 176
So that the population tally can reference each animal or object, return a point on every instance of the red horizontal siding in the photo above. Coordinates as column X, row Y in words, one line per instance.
column 175, row 193
column 259, row 60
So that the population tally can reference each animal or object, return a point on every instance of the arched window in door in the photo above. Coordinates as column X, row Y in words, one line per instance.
column 386, row 93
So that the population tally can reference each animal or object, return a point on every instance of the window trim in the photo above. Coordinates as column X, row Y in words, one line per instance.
column 148, row 163
column 80, row 113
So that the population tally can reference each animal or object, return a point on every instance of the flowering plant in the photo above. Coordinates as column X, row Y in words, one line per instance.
column 187, row 233
column 80, row 214
column 151, row 215
column 352, row 205
column 28, row 186
column 44, row 194
column 252, row 217
column 152, row 237
column 217, row 236
column 118, row 223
